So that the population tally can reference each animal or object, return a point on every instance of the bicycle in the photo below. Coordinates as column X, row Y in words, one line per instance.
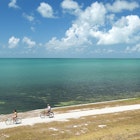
column 10, row 121
column 44, row 114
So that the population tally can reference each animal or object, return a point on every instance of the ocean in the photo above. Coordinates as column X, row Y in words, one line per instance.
column 27, row 84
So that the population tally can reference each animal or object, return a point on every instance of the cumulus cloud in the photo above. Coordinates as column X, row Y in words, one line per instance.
column 123, row 31
column 96, row 26
column 79, row 33
column 120, row 5
column 71, row 6
column 13, row 4
column 74, row 37
column 28, row 17
column 132, row 49
column 28, row 42
column 13, row 42
column 45, row 10
column 93, row 15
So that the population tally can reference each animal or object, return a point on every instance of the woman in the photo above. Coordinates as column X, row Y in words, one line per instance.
column 14, row 115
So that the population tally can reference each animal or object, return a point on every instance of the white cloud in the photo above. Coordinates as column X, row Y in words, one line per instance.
column 120, row 5
column 132, row 49
column 13, row 42
column 71, row 6
column 79, row 33
column 28, row 17
column 45, row 10
column 96, row 27
column 103, row 50
column 74, row 37
column 13, row 4
column 93, row 15
column 123, row 31
column 29, row 42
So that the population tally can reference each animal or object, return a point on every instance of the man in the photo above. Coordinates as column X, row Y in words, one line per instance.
column 48, row 109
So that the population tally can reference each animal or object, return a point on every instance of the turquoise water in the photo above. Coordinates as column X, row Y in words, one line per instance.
column 27, row 84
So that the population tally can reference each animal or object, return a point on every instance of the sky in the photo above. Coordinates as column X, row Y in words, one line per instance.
column 69, row 29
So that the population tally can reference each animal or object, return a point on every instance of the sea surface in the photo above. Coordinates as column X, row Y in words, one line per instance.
column 27, row 84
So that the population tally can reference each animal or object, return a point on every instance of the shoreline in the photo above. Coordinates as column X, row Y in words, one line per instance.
column 33, row 119
column 71, row 115
column 102, row 102
column 77, row 105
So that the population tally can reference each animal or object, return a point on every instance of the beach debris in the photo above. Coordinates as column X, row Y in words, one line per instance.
column 75, row 126
column 101, row 126
column 54, row 129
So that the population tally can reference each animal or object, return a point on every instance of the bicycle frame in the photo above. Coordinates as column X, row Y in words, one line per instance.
column 45, row 114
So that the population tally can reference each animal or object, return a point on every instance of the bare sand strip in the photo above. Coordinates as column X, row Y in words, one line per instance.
column 72, row 114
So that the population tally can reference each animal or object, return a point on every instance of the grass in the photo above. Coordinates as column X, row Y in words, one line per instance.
column 116, row 126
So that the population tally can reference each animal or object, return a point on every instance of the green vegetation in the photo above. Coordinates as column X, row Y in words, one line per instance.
column 68, row 103
column 2, row 102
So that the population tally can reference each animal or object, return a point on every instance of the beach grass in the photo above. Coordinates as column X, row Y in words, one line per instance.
column 115, row 126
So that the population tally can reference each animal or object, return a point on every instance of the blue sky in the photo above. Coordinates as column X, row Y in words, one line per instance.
column 69, row 28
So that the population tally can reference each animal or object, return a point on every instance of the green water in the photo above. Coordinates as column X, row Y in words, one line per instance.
column 27, row 84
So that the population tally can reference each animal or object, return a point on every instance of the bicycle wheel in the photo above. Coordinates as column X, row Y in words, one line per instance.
column 18, row 120
column 8, row 121
column 51, row 115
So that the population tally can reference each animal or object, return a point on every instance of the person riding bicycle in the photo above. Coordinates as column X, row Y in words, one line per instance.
column 47, row 112
column 14, row 115
column 48, row 109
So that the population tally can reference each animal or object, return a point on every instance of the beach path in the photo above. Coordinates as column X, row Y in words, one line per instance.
column 72, row 114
